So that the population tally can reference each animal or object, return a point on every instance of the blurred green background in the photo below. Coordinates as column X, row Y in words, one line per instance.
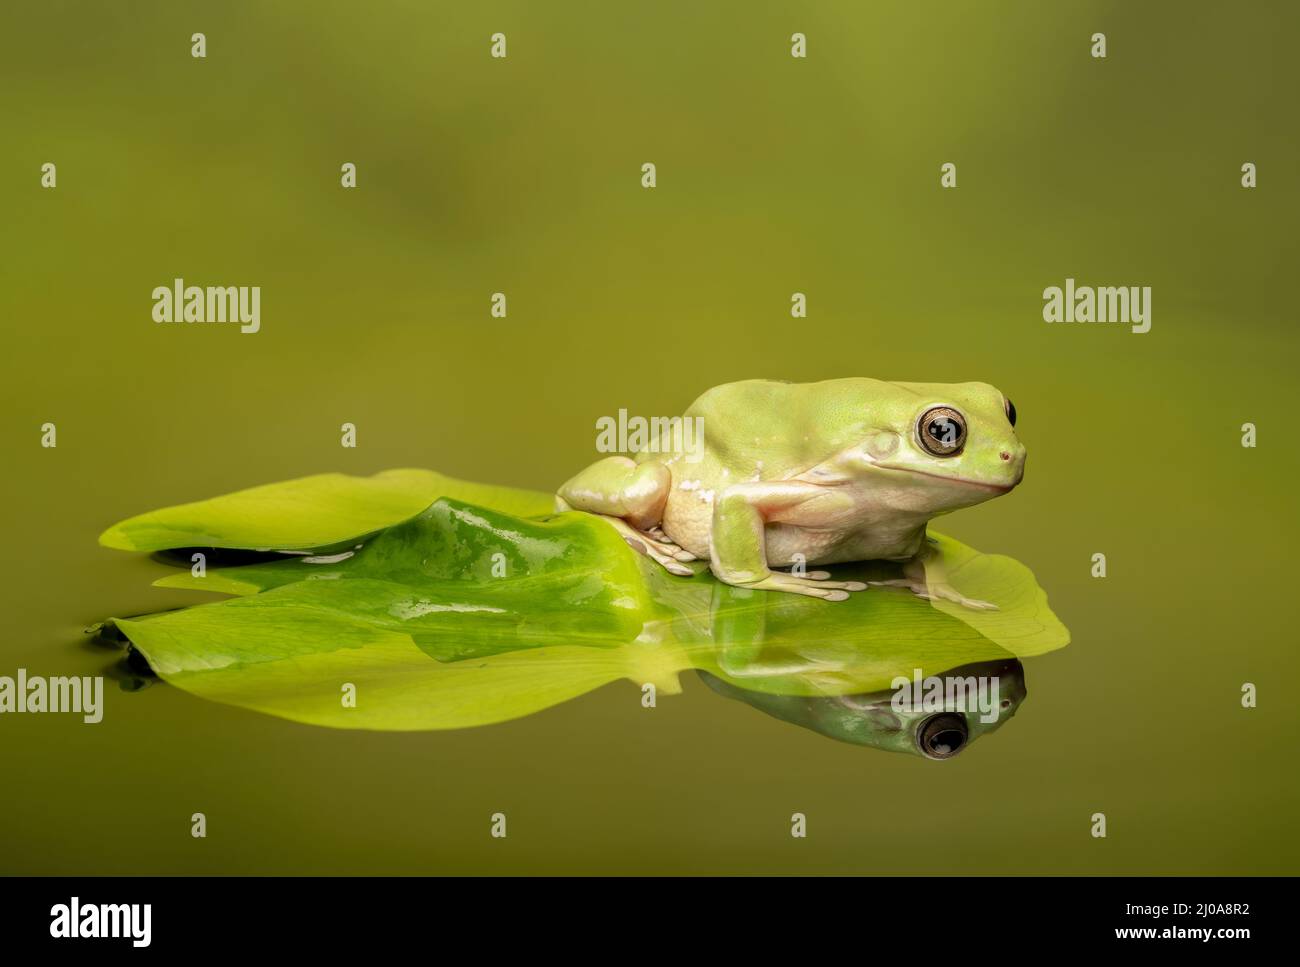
column 775, row 175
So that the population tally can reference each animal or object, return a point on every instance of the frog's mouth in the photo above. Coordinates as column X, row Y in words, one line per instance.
column 994, row 488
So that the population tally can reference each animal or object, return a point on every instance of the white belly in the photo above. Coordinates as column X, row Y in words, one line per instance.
column 866, row 536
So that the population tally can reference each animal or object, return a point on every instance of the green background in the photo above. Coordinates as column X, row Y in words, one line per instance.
column 776, row 175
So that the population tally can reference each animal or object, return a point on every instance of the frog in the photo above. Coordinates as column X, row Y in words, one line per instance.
column 785, row 475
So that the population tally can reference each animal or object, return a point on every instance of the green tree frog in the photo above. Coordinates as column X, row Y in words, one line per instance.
column 797, row 474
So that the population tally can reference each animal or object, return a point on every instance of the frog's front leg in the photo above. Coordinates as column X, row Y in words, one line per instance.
column 738, row 545
column 631, row 497
column 926, row 577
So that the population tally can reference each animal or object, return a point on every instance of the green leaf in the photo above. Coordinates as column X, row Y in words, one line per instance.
column 310, row 512
column 464, row 615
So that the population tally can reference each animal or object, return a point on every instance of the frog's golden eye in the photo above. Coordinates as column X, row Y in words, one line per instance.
column 1011, row 412
column 942, row 431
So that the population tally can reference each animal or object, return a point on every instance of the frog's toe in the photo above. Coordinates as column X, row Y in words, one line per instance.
column 947, row 592
column 841, row 586
column 835, row 596
column 942, row 592
column 665, row 545
column 812, row 587
column 813, row 591
column 667, row 548
column 823, row 576
column 651, row 550
column 658, row 538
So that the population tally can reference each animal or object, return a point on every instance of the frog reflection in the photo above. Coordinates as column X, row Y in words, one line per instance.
column 890, row 719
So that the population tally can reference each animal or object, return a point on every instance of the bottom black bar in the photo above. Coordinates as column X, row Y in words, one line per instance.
column 217, row 915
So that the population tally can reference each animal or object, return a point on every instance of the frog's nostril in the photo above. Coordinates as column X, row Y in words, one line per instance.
column 942, row 736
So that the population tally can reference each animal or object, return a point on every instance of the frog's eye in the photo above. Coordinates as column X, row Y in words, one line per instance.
column 1011, row 412
column 942, row 736
column 942, row 431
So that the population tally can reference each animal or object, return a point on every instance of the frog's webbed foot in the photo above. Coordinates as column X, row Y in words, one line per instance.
column 655, row 545
column 944, row 592
column 814, row 584
column 664, row 544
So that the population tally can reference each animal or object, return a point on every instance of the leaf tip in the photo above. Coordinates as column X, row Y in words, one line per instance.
column 117, row 539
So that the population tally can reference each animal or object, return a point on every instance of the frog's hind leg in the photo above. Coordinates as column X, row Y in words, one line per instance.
column 619, row 487
column 665, row 553
column 631, row 497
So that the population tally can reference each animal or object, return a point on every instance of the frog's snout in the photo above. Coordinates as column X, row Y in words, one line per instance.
column 942, row 736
